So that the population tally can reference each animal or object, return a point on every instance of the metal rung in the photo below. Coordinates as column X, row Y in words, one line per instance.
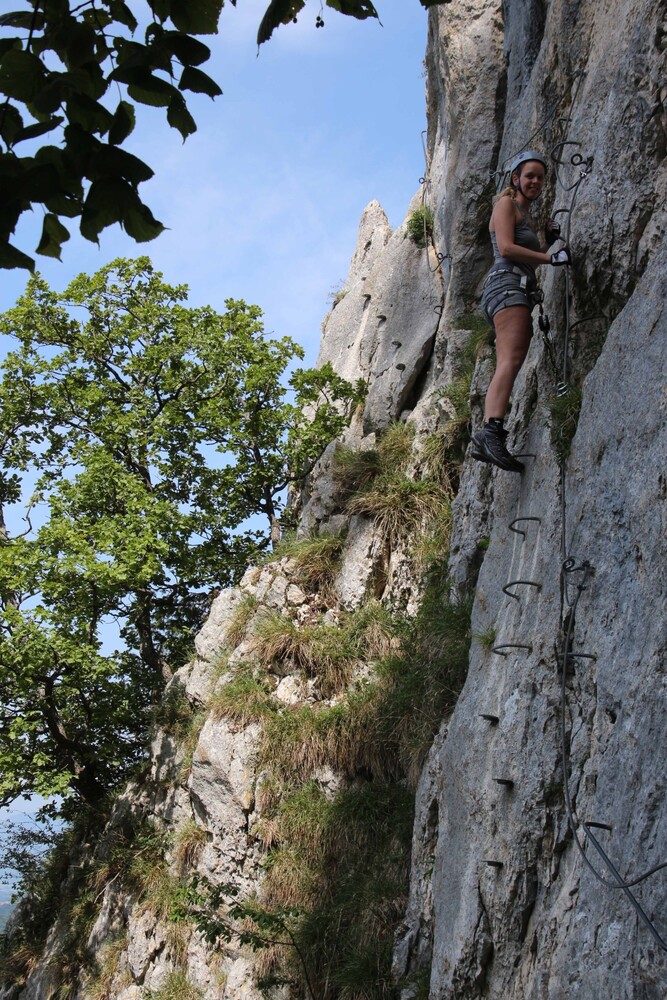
column 518, row 531
column 507, row 782
column 578, row 656
column 511, row 645
column 493, row 864
column 597, row 826
column 523, row 583
column 524, row 454
column 492, row 719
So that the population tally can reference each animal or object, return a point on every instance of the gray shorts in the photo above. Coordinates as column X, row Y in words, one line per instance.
column 504, row 288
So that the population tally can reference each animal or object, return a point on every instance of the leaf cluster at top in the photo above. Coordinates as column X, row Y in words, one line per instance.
column 77, row 70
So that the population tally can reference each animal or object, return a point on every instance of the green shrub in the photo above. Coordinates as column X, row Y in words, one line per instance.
column 420, row 226
column 173, row 713
column 563, row 419
column 105, row 979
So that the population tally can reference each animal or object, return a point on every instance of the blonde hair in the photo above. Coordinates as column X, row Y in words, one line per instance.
column 509, row 192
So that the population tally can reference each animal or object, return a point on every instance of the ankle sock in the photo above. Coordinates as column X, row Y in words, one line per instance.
column 495, row 423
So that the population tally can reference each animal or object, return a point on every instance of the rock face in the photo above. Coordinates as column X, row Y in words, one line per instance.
column 501, row 905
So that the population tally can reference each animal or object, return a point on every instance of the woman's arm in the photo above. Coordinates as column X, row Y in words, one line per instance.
column 503, row 219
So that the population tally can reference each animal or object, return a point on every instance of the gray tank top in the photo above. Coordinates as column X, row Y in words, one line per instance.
column 524, row 236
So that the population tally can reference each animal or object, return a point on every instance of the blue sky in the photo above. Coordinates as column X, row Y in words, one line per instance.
column 263, row 202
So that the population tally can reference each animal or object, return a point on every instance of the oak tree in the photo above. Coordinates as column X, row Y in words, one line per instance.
column 147, row 433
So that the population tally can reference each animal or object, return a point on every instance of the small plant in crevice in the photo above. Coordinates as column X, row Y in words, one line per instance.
column 240, row 620
column 564, row 412
column 189, row 841
column 336, row 295
column 189, row 740
column 485, row 639
column 419, row 226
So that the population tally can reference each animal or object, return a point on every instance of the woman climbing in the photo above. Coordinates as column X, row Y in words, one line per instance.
column 510, row 293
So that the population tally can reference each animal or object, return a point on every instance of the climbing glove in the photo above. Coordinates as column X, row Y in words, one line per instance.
column 561, row 257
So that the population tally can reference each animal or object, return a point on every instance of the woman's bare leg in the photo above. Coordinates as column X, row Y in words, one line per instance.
column 514, row 329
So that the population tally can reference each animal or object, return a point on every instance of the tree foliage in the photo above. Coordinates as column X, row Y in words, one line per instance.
column 72, row 73
column 151, row 431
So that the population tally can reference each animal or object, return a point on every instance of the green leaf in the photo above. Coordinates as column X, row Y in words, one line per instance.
column 54, row 234
column 75, row 42
column 190, row 51
column 11, row 257
column 122, row 13
column 88, row 113
column 196, row 17
column 197, row 81
column 38, row 182
column 110, row 161
column 41, row 128
column 124, row 120
column 360, row 9
column 111, row 200
column 23, row 19
column 278, row 12
column 144, row 87
column 21, row 75
column 180, row 118
column 11, row 123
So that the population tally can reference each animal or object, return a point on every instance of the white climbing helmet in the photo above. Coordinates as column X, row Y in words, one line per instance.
column 528, row 154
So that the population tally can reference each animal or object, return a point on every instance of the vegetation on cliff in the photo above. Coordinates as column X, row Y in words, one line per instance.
column 146, row 432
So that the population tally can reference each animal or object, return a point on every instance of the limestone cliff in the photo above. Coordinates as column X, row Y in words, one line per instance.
column 500, row 901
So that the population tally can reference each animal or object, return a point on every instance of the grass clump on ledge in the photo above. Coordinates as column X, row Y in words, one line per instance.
column 328, row 652
column 316, row 561
column 243, row 614
column 243, row 699
column 420, row 226
column 176, row 986
column 379, row 485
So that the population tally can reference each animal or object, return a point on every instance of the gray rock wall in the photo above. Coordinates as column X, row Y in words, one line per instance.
column 541, row 926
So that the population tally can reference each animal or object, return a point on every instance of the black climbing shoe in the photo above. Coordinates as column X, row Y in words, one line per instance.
column 488, row 445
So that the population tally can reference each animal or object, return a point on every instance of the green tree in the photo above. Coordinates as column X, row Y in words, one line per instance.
column 76, row 70
column 151, row 431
